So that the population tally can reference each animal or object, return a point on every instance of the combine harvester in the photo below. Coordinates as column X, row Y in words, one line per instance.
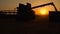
column 25, row 12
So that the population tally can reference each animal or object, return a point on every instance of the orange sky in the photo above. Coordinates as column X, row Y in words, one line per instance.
column 11, row 4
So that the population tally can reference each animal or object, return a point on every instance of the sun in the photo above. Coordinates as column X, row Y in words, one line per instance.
column 43, row 11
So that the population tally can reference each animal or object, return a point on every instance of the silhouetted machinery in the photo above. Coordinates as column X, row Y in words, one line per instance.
column 25, row 12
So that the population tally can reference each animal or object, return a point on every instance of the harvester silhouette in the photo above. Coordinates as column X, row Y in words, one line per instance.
column 25, row 12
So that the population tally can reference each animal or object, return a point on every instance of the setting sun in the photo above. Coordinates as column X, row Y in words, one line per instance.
column 43, row 11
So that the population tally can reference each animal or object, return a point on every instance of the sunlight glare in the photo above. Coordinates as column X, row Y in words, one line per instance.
column 43, row 11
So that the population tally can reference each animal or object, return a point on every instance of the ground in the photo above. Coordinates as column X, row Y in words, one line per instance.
column 37, row 26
